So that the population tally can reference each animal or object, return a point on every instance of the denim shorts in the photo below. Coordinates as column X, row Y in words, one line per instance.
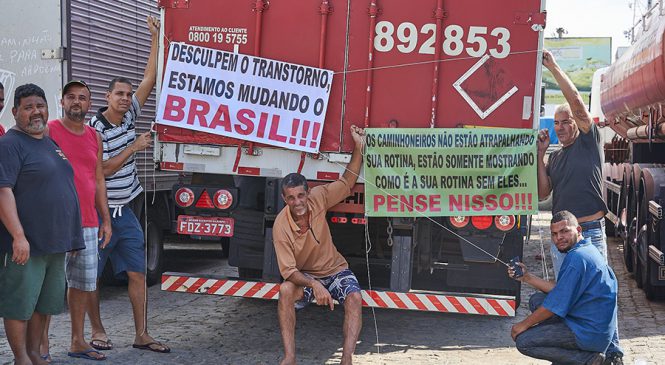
column 126, row 249
column 339, row 285
column 38, row 286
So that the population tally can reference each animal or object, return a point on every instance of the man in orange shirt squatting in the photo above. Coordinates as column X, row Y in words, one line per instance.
column 310, row 264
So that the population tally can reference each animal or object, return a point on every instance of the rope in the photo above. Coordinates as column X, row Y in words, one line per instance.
column 360, row 178
column 400, row 65
column 420, row 213
column 543, row 260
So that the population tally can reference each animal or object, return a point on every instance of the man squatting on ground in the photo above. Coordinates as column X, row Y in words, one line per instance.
column 310, row 264
column 83, row 148
column 573, row 173
column 32, row 258
column 574, row 320
column 116, row 124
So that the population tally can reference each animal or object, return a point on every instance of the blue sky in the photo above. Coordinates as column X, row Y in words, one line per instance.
column 592, row 18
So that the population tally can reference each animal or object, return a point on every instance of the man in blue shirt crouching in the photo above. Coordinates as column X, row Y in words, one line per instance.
column 574, row 319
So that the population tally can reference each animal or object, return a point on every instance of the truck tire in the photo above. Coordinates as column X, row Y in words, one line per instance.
column 628, row 254
column 154, row 254
column 649, row 290
column 610, row 229
column 637, row 266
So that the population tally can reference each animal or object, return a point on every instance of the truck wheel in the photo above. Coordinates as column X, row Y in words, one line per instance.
column 610, row 229
column 649, row 290
column 637, row 265
column 628, row 258
column 155, row 254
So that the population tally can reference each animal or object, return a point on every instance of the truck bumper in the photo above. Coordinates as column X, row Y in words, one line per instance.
column 489, row 305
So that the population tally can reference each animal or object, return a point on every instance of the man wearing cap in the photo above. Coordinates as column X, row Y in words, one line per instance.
column 83, row 148
column 32, row 260
column 117, row 125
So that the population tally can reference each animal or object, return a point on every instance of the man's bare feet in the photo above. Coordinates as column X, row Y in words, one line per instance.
column 288, row 361
column 146, row 342
column 100, row 341
column 81, row 347
column 36, row 359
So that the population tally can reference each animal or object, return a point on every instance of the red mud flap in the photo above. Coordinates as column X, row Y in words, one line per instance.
column 489, row 305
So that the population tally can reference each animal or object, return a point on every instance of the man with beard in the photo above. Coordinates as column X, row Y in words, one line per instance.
column 83, row 148
column 32, row 271
column 574, row 320
column 573, row 173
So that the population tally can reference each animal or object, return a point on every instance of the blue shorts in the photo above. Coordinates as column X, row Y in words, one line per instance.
column 339, row 285
column 126, row 247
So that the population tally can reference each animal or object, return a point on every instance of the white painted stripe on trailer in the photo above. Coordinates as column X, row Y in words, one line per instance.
column 188, row 283
column 465, row 303
column 486, row 306
column 386, row 299
column 368, row 299
column 405, row 298
column 243, row 290
column 168, row 282
column 225, row 288
column 206, row 286
column 507, row 307
column 428, row 304
column 447, row 304
column 264, row 291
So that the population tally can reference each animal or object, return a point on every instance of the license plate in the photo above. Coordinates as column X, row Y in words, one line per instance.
column 205, row 226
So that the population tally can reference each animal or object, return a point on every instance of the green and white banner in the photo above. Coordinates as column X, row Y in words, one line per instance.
column 450, row 172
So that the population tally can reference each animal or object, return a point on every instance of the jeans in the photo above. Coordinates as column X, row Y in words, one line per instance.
column 551, row 340
column 594, row 230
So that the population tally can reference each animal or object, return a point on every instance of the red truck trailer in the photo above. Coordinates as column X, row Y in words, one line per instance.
column 418, row 64
column 632, row 98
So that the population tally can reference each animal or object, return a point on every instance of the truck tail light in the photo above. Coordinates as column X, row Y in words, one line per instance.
column 205, row 201
column 184, row 197
column 482, row 222
column 358, row 220
column 459, row 221
column 340, row 220
column 222, row 199
column 504, row 222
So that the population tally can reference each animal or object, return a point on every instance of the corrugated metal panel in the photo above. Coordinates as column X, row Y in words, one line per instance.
column 110, row 38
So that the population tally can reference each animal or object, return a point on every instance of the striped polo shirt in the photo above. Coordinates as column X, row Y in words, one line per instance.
column 123, row 186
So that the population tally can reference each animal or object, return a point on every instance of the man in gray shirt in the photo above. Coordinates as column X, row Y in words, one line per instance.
column 573, row 173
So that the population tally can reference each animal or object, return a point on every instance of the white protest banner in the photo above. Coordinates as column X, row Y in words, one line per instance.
column 245, row 97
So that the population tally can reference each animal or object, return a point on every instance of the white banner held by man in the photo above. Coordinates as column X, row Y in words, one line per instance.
column 240, row 96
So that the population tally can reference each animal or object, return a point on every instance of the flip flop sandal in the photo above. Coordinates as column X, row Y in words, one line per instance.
column 86, row 355
column 101, row 345
column 150, row 347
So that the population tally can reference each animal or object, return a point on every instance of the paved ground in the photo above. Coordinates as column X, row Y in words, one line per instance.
column 222, row 330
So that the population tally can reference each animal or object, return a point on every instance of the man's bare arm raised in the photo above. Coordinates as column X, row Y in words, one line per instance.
column 570, row 92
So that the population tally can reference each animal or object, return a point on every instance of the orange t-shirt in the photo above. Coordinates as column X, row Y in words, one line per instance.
column 312, row 251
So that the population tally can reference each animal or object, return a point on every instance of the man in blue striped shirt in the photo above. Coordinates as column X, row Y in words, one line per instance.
column 116, row 125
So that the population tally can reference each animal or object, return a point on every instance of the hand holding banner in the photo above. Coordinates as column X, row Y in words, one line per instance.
column 450, row 172
column 245, row 97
